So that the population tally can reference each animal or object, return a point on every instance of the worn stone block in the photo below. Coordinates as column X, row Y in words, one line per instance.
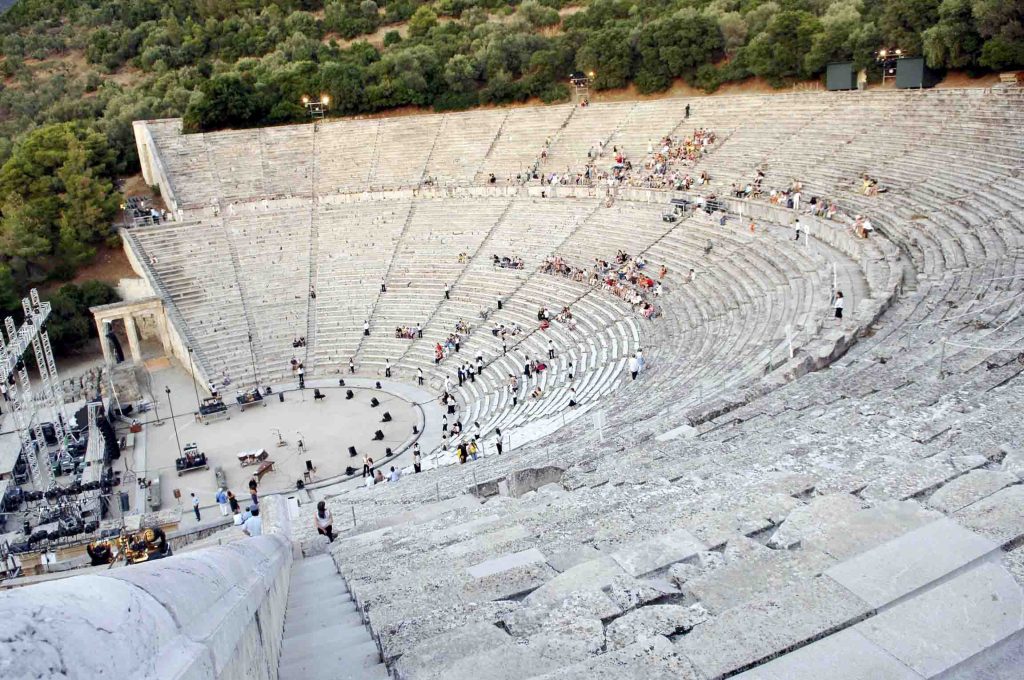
column 952, row 622
column 772, row 625
column 999, row 517
column 656, row 553
column 911, row 561
column 970, row 488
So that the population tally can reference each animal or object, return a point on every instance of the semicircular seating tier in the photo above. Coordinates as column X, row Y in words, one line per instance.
column 744, row 515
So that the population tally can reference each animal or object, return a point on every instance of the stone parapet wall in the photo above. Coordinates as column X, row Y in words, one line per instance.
column 217, row 612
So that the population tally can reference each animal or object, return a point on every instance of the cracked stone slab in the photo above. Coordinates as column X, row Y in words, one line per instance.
column 970, row 488
column 846, row 655
column 430, row 658
column 847, row 533
column 999, row 517
column 509, row 583
column 567, row 558
column 583, row 604
column 653, row 659
column 592, row 575
column 905, row 564
column 488, row 541
column 505, row 562
column 740, row 582
column 949, row 624
column 759, row 630
column 656, row 553
column 655, row 619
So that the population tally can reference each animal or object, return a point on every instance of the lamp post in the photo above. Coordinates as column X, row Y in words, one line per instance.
column 192, row 369
column 252, row 356
column 317, row 108
column 167, row 390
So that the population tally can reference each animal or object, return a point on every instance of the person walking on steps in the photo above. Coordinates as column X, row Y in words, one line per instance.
column 634, row 366
column 839, row 303
column 324, row 522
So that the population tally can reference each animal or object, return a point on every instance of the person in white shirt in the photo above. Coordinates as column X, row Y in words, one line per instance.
column 395, row 474
column 839, row 303
column 254, row 525
column 323, row 521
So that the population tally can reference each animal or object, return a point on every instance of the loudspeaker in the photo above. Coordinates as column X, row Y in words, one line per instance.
column 841, row 76
column 378, row 435
column 386, row 418
column 280, row 396
column 124, row 501
column 374, row 403
column 912, row 73
column 299, row 484
column 415, row 429
column 309, row 465
column 341, row 382
column 378, row 384
column 348, row 394
column 387, row 451
column 349, row 470
column 351, row 450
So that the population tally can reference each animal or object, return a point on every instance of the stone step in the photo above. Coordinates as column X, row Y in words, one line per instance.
column 322, row 640
column 296, row 626
column 313, row 568
column 336, row 605
column 358, row 662
column 301, row 593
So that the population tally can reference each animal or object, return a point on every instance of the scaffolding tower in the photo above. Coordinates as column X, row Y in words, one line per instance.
column 24, row 405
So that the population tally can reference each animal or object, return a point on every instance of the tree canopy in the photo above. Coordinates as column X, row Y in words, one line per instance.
column 76, row 74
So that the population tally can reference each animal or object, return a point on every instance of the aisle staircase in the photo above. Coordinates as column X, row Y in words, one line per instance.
column 324, row 635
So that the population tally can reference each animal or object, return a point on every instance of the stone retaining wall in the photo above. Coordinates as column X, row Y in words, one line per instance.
column 213, row 613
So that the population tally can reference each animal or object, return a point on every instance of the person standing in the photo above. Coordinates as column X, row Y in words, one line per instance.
column 366, row 327
column 387, row 368
column 444, row 423
column 527, row 368
column 839, row 303
column 551, row 348
column 461, row 374
column 366, row 464
column 351, row 365
column 222, row 501
column 195, row 508
column 324, row 521
column 383, row 285
column 419, row 377
column 796, row 225
column 233, row 503
column 254, row 525
column 416, row 467
column 253, row 495
column 447, row 292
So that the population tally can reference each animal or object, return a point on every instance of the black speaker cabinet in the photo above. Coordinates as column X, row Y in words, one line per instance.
column 913, row 73
column 841, row 76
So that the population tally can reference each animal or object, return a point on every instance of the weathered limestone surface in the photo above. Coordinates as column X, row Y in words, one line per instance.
column 969, row 488
column 915, row 559
column 846, row 655
column 763, row 628
column 999, row 517
column 947, row 625
column 743, row 581
column 430, row 658
column 653, row 659
column 505, row 562
column 657, row 552
column 655, row 619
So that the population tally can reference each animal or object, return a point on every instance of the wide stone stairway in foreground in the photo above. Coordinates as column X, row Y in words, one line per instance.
column 324, row 635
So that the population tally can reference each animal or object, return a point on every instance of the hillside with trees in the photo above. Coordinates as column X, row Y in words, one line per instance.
column 78, row 72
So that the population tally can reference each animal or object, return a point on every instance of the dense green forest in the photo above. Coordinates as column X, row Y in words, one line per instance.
column 78, row 72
